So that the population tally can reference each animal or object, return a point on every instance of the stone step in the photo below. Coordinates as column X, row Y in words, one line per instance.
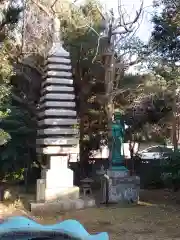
column 57, row 141
column 55, row 96
column 55, row 66
column 62, row 60
column 54, row 88
column 62, row 205
column 50, row 73
column 57, row 122
column 49, row 150
column 57, row 81
column 56, row 104
column 58, row 130
column 57, row 113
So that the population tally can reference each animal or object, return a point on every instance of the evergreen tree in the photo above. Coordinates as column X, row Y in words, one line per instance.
column 166, row 33
column 9, row 15
column 166, row 41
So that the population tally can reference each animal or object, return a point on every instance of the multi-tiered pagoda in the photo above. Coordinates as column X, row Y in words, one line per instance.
column 57, row 135
column 57, row 115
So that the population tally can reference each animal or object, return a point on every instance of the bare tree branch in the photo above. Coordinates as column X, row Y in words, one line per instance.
column 52, row 7
column 42, row 7
column 128, row 25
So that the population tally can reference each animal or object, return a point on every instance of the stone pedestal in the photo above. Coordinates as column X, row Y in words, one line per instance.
column 56, row 193
column 40, row 190
column 58, row 181
column 121, row 187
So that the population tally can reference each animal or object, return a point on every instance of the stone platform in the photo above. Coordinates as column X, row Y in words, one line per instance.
column 61, row 205
column 121, row 187
column 55, row 194
column 62, row 193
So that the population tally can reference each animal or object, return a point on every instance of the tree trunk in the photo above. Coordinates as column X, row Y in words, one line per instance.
column 80, row 81
column 109, row 112
column 81, row 128
column 131, row 150
column 178, row 128
column 174, row 127
column 109, row 105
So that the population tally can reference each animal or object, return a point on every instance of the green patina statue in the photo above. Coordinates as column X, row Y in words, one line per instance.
column 118, row 129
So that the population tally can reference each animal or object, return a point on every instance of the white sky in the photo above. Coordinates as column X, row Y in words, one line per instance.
column 131, row 6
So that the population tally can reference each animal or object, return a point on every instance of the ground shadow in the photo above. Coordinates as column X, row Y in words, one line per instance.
column 160, row 196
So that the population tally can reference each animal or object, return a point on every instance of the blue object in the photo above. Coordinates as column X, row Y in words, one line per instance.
column 72, row 228
column 118, row 130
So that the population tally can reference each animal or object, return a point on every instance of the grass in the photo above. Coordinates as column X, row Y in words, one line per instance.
column 156, row 219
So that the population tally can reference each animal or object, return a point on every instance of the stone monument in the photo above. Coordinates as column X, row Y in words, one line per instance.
column 57, row 136
column 121, row 186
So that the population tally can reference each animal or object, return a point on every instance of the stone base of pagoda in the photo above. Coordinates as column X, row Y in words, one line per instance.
column 55, row 194
column 55, row 190
column 42, row 208
column 56, row 182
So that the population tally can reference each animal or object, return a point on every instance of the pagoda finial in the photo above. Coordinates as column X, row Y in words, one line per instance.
column 56, row 30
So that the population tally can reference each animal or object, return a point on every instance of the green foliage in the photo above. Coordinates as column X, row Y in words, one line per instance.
column 166, row 31
column 164, row 61
column 9, row 16
column 5, row 74
column 21, row 130
column 171, row 169
column 166, row 41
column 14, row 130
column 16, row 175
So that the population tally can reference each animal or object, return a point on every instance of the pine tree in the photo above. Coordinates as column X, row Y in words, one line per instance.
column 166, row 31
column 166, row 40
column 9, row 15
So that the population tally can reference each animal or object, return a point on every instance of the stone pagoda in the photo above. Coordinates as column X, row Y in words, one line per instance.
column 57, row 137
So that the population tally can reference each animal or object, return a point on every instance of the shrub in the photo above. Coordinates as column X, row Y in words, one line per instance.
column 171, row 170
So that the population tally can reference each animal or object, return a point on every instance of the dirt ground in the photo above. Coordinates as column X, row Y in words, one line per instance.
column 156, row 217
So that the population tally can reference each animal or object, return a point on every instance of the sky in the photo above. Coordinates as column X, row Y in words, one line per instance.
column 131, row 6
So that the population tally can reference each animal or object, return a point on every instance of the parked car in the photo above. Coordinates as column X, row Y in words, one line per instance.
column 155, row 152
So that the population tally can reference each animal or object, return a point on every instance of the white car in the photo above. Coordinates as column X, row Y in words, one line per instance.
column 155, row 152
